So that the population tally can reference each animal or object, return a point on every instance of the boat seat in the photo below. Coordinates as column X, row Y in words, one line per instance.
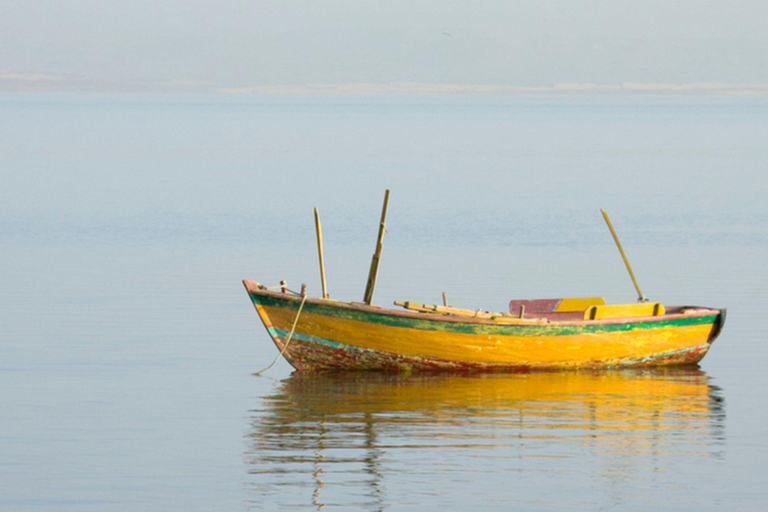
column 625, row 310
column 564, row 305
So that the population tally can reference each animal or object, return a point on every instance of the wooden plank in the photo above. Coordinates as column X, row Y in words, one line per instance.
column 566, row 305
column 440, row 310
column 504, row 318
column 534, row 306
column 569, row 305
column 624, row 311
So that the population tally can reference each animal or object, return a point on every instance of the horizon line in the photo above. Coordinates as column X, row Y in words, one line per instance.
column 413, row 88
column 44, row 82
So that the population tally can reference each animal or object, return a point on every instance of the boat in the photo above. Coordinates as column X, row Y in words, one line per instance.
column 324, row 334
column 316, row 334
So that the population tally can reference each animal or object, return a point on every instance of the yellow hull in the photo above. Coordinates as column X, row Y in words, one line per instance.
column 332, row 335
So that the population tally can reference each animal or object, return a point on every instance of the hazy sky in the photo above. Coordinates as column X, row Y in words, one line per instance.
column 161, row 44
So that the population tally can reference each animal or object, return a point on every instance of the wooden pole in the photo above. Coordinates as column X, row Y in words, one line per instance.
column 372, row 274
column 319, row 231
column 640, row 296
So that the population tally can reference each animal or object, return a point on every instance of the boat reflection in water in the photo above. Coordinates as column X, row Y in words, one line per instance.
column 371, row 441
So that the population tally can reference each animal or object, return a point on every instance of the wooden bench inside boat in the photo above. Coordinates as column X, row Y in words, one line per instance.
column 624, row 310
column 583, row 308
column 546, row 306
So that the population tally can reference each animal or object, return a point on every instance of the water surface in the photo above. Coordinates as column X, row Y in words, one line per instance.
column 128, row 346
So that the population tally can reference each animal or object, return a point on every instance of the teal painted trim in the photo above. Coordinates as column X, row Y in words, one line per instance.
column 281, row 333
column 437, row 325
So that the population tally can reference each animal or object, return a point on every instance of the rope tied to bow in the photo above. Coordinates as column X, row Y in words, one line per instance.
column 288, row 339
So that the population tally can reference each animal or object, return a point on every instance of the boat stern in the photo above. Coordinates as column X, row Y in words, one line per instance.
column 718, row 325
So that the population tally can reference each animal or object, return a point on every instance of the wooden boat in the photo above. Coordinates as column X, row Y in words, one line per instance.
column 570, row 333
column 546, row 335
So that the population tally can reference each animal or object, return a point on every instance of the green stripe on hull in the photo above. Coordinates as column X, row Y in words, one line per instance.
column 473, row 328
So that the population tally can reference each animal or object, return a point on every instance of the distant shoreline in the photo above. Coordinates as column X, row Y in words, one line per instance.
column 563, row 88
column 46, row 83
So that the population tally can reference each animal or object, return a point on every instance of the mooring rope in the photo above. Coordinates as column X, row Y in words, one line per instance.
column 288, row 339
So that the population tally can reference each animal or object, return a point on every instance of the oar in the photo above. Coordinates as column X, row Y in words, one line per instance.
column 640, row 296
column 319, row 230
column 376, row 255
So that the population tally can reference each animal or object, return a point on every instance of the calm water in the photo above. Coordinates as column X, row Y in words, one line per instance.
column 127, row 344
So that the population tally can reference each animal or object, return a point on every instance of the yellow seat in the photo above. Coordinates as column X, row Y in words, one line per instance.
column 570, row 305
column 624, row 310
